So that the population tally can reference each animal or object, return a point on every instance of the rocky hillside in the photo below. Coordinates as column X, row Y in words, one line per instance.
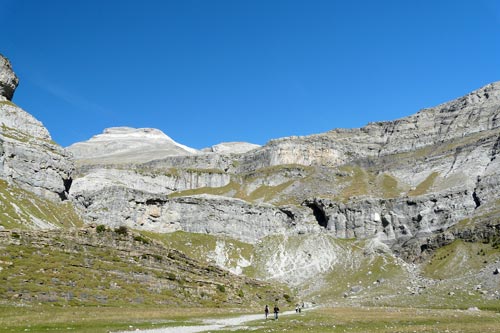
column 403, row 184
column 35, row 172
column 49, row 255
column 102, row 266
column 374, row 204
column 392, row 180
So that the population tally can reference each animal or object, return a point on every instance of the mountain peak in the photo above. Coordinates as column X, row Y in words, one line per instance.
column 127, row 144
column 8, row 79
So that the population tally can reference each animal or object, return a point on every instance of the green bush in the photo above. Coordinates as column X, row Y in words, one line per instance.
column 100, row 228
column 122, row 230
column 221, row 288
column 142, row 239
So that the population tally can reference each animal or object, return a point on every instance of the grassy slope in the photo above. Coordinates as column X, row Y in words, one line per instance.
column 112, row 268
column 20, row 209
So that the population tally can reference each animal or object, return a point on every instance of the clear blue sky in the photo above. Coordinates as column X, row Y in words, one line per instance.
column 208, row 71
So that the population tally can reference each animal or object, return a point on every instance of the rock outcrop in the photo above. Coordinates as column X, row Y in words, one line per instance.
column 8, row 80
column 394, row 181
column 28, row 156
column 391, row 180
column 232, row 148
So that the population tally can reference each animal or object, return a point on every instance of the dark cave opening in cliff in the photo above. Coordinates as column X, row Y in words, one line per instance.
column 319, row 214
column 477, row 201
column 63, row 195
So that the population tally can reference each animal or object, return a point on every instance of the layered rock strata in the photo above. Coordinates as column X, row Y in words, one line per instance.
column 28, row 156
column 393, row 180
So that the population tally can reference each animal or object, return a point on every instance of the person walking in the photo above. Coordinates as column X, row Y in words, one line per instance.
column 276, row 311
column 266, row 311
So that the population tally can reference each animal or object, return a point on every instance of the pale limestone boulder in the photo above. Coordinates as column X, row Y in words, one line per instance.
column 8, row 79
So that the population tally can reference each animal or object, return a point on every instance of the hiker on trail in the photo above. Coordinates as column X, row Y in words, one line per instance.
column 297, row 308
column 276, row 311
column 266, row 311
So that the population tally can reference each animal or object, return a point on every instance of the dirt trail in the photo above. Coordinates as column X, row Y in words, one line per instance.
column 211, row 324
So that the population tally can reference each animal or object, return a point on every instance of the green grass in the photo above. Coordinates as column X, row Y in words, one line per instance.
column 238, row 187
column 224, row 190
column 384, row 320
column 324, row 320
column 424, row 186
column 363, row 272
column 291, row 170
column 389, row 186
column 466, row 257
column 267, row 193
column 7, row 103
column 19, row 209
column 204, row 171
column 53, row 318
column 14, row 134
column 111, row 268
column 201, row 245
column 357, row 182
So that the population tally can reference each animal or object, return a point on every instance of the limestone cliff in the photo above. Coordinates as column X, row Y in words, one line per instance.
column 406, row 186
column 32, row 166
column 28, row 156
column 391, row 180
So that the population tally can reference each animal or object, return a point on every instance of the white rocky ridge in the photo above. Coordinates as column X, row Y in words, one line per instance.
column 232, row 148
column 129, row 145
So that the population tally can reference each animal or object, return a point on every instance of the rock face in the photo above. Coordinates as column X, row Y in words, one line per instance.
column 210, row 214
column 394, row 180
column 8, row 79
column 232, row 148
column 120, row 145
column 404, row 187
column 28, row 157
column 397, row 219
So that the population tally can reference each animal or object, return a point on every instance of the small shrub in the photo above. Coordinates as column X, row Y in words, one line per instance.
column 100, row 228
column 221, row 288
column 171, row 276
column 122, row 230
column 16, row 235
column 241, row 294
column 157, row 257
column 287, row 298
column 142, row 239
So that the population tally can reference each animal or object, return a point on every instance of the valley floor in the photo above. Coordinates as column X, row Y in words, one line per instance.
column 46, row 318
column 363, row 319
column 215, row 324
